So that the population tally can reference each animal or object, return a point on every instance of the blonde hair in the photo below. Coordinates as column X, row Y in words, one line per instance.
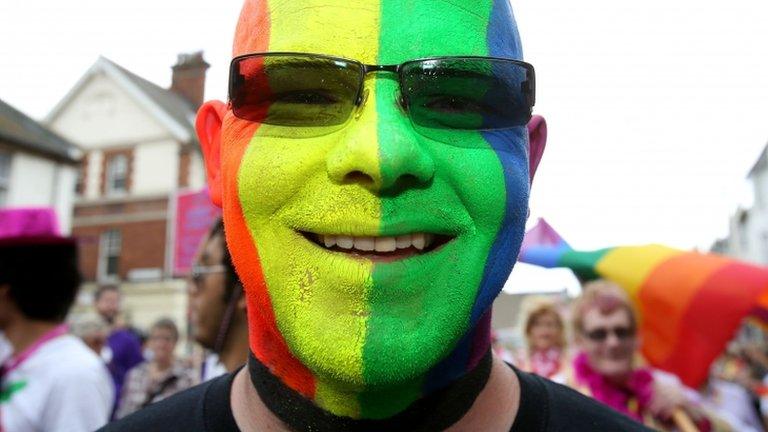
column 606, row 297
column 538, row 310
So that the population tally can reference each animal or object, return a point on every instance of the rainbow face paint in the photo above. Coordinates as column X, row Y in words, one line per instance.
column 360, row 336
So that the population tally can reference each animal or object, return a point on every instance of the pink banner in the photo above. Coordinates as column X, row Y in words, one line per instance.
column 195, row 213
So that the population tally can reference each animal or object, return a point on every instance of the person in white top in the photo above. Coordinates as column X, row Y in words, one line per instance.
column 51, row 382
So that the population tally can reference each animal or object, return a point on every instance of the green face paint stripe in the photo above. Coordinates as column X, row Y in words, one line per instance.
column 400, row 289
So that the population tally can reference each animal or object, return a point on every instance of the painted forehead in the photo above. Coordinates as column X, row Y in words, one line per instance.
column 379, row 31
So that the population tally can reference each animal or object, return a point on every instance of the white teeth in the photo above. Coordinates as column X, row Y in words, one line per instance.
column 386, row 244
column 403, row 241
column 419, row 241
column 345, row 242
column 365, row 244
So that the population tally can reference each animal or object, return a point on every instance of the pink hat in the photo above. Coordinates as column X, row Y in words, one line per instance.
column 29, row 226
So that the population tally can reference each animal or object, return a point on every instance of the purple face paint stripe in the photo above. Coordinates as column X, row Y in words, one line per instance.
column 481, row 343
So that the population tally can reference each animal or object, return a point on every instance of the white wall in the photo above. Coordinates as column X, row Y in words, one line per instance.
column 103, row 115
column 760, row 188
column 155, row 168
column 197, row 172
column 93, row 176
column 36, row 181
column 64, row 200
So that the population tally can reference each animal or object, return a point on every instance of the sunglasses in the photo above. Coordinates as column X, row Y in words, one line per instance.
column 601, row 334
column 442, row 93
column 198, row 272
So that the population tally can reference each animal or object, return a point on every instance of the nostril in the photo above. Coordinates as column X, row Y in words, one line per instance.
column 358, row 177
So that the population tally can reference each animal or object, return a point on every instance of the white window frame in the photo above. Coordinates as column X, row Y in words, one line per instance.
column 117, row 169
column 110, row 245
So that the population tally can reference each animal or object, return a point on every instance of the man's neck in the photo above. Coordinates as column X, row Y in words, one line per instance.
column 235, row 351
column 494, row 408
column 22, row 332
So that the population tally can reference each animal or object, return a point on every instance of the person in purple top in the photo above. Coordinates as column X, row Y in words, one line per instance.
column 123, row 349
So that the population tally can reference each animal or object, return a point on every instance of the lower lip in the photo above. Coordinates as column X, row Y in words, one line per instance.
column 383, row 257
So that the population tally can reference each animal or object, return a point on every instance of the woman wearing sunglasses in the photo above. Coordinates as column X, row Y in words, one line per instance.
column 606, row 366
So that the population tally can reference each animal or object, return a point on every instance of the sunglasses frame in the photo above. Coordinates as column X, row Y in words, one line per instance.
column 365, row 69
column 621, row 333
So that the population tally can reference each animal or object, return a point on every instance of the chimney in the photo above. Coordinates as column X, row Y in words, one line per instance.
column 188, row 80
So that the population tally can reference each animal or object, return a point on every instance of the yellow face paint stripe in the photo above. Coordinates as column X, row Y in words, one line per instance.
column 276, row 210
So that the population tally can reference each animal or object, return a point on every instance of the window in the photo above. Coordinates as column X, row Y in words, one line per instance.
column 5, row 177
column 109, row 254
column 80, row 184
column 117, row 174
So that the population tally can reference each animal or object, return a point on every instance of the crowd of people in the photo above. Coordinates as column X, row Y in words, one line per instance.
column 78, row 376
column 598, row 354
column 81, row 377
column 371, row 238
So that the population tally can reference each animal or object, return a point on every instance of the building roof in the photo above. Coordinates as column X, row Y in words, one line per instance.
column 760, row 164
column 19, row 129
column 169, row 108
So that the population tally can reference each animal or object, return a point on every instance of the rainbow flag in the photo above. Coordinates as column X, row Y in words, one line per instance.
column 689, row 304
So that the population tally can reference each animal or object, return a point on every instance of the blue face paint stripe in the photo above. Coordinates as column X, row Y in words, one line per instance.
column 503, row 41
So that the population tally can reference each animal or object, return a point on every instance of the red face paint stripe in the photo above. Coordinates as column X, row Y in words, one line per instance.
column 265, row 340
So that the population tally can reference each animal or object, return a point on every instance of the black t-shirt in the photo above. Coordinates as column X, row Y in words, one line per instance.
column 544, row 406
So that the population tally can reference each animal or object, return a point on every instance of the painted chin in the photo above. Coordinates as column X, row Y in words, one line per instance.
column 382, row 249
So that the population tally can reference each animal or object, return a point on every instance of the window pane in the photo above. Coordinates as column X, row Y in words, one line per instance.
column 111, row 243
column 112, row 265
column 117, row 174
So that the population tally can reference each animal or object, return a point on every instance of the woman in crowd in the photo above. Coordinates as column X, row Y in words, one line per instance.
column 160, row 377
column 606, row 368
column 545, row 339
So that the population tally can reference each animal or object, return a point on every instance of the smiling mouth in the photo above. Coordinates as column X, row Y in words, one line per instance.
column 382, row 249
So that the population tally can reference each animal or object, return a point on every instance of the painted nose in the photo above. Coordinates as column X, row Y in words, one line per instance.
column 380, row 150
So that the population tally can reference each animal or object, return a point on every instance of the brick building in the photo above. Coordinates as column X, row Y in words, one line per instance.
column 140, row 149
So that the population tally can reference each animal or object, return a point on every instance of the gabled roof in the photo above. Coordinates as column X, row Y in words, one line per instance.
column 170, row 109
column 19, row 129
column 761, row 163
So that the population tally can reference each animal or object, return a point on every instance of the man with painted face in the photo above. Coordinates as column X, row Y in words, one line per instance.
column 374, row 196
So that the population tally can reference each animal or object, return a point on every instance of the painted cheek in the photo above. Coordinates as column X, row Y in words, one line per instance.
column 286, row 188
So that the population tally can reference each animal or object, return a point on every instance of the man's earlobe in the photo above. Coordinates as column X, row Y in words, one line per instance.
column 537, row 141
column 208, row 126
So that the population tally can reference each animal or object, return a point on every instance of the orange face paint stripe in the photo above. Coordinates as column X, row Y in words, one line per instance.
column 265, row 340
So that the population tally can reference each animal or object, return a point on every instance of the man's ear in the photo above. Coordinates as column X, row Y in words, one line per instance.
column 537, row 140
column 208, row 126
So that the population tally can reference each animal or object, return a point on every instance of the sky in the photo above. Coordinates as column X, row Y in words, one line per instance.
column 656, row 109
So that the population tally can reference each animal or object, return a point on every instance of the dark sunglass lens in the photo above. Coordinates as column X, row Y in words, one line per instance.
column 468, row 93
column 598, row 335
column 624, row 332
column 288, row 90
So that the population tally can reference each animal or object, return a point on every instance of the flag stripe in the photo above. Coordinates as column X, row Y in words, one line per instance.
column 666, row 295
column 714, row 314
